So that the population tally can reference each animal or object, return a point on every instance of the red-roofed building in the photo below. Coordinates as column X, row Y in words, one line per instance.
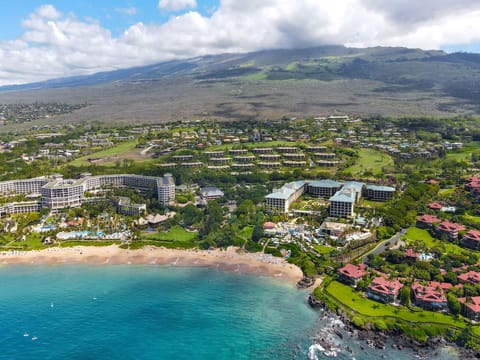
column 471, row 307
column 429, row 297
column 449, row 230
column 350, row 274
column 411, row 254
column 269, row 225
column 471, row 239
column 432, row 182
column 383, row 290
column 473, row 184
column 472, row 277
column 426, row 221
column 435, row 206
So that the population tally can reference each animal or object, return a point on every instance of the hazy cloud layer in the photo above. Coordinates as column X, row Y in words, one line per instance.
column 56, row 44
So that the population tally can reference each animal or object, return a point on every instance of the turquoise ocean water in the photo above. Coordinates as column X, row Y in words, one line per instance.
column 150, row 312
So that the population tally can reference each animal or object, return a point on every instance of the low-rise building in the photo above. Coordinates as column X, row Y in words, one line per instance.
column 350, row 274
column 449, row 230
column 429, row 297
column 427, row 221
column 471, row 239
column 211, row 193
column 471, row 307
column 471, row 277
column 384, row 290
column 126, row 207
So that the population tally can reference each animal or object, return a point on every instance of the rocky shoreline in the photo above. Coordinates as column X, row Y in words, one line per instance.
column 341, row 326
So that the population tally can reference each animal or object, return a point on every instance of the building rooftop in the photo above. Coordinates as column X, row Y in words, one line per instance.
column 344, row 196
column 327, row 183
column 380, row 188
column 473, row 303
column 353, row 271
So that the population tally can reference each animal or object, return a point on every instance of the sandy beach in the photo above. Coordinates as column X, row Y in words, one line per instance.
column 230, row 259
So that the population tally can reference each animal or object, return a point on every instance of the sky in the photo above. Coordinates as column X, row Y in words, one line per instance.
column 42, row 40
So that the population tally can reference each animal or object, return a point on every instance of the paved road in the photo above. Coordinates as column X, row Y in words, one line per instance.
column 385, row 245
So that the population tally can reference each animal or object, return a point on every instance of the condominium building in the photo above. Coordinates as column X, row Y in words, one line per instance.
column 342, row 203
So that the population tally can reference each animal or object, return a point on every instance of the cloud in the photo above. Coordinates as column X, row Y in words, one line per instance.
column 56, row 44
column 176, row 5
column 127, row 11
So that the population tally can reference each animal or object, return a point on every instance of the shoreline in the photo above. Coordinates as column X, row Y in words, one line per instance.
column 229, row 259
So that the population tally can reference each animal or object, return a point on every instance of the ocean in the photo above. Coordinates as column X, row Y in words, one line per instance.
column 154, row 312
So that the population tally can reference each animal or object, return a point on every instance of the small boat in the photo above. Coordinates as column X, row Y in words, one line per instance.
column 25, row 334
column 34, row 338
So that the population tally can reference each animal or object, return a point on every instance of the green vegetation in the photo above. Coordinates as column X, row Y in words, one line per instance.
column 117, row 150
column 370, row 161
column 359, row 305
column 250, row 145
column 175, row 234
column 415, row 234
column 322, row 249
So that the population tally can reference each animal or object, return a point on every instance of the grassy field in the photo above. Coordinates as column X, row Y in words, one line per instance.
column 322, row 249
column 246, row 233
column 473, row 218
column 363, row 306
column 115, row 151
column 176, row 233
column 370, row 160
column 424, row 236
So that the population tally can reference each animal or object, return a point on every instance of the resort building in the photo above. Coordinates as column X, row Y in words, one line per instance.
column 471, row 307
column 350, row 274
column 342, row 203
column 357, row 187
column 220, row 161
column 379, row 193
column 213, row 153
column 471, row 240
column 182, row 157
column 427, row 221
column 429, row 297
column 265, row 150
column 269, row 157
column 211, row 193
column 244, row 159
column 471, row 277
column 333, row 230
column 383, row 290
column 449, row 230
column 325, row 156
column 125, row 207
column 286, row 149
column 281, row 199
column 238, row 151
column 323, row 188
column 269, row 165
column 191, row 164
column 59, row 193
column 327, row 163
column 319, row 149
column 296, row 156
column 290, row 163
column 243, row 166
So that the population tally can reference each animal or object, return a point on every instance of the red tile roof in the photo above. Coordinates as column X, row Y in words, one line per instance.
column 451, row 227
column 428, row 219
column 428, row 293
column 474, row 305
column 472, row 277
column 411, row 253
column 269, row 225
column 473, row 235
column 435, row 206
column 441, row 285
column 353, row 271
column 432, row 182
column 382, row 285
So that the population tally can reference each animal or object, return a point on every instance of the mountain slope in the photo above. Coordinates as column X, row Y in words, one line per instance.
column 272, row 83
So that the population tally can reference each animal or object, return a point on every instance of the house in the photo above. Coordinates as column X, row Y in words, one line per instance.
column 435, row 206
column 411, row 255
column 472, row 277
column 471, row 307
column 429, row 297
column 471, row 239
column 449, row 230
column 427, row 221
column 351, row 274
column 383, row 290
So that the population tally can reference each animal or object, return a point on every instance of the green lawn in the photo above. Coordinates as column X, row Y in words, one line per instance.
column 370, row 160
column 414, row 233
column 363, row 306
column 246, row 233
column 115, row 150
column 176, row 234
column 473, row 218
column 447, row 191
column 322, row 249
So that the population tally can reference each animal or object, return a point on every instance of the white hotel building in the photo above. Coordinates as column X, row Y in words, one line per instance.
column 58, row 193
